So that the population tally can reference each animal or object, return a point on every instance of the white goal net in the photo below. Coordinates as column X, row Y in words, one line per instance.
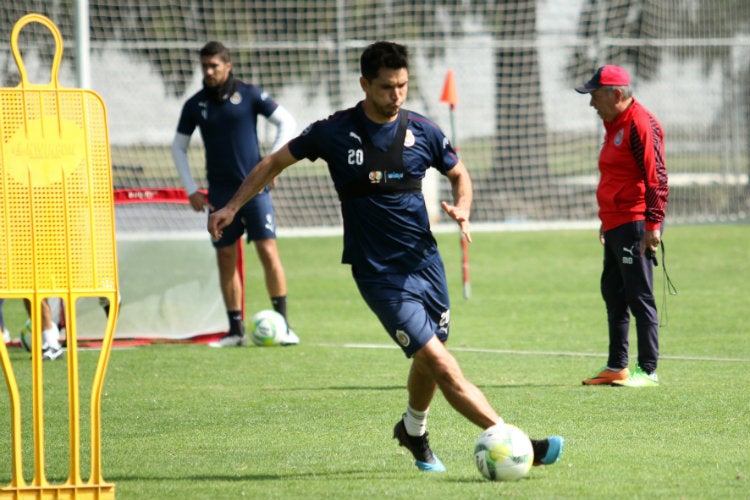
column 530, row 142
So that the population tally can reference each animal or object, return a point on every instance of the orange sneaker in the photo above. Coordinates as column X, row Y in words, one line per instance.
column 607, row 377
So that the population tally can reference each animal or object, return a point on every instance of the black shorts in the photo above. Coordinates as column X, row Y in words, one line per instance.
column 256, row 218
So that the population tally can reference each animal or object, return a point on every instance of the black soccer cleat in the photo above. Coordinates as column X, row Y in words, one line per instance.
column 547, row 451
column 419, row 447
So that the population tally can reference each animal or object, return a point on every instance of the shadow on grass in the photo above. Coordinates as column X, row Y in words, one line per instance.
column 351, row 474
column 403, row 387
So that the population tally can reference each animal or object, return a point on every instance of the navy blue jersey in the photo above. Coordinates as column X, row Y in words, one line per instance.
column 229, row 132
column 383, row 232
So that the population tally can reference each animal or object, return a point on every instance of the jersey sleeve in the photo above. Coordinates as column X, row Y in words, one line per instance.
column 306, row 144
column 647, row 146
column 187, row 122
column 448, row 155
column 443, row 155
column 263, row 102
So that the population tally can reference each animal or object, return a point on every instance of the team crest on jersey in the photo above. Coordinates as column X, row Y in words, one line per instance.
column 403, row 338
column 409, row 139
column 236, row 98
column 618, row 137
column 375, row 176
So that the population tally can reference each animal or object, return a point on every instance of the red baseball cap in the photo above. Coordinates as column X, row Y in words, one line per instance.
column 606, row 75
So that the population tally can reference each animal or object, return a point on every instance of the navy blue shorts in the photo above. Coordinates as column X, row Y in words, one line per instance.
column 412, row 307
column 256, row 218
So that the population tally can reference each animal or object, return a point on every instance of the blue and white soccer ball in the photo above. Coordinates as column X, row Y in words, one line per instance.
column 503, row 453
column 268, row 328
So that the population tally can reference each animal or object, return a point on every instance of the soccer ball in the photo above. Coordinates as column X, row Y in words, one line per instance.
column 268, row 328
column 503, row 453
column 26, row 335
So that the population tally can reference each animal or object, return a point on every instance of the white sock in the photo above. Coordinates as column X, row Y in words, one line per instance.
column 51, row 337
column 499, row 422
column 415, row 421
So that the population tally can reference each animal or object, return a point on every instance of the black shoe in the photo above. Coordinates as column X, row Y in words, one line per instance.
column 419, row 446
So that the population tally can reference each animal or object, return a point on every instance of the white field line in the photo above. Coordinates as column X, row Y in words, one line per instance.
column 537, row 353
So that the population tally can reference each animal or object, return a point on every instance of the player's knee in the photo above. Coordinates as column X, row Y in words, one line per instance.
column 441, row 364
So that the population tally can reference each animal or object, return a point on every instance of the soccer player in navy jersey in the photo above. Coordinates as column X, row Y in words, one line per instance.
column 377, row 154
column 226, row 112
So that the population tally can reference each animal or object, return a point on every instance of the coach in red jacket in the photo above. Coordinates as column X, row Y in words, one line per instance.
column 632, row 196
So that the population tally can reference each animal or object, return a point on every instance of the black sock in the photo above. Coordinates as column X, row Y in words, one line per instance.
column 540, row 448
column 236, row 327
column 279, row 304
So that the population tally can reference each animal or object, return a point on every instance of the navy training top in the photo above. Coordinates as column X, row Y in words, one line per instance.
column 229, row 132
column 383, row 232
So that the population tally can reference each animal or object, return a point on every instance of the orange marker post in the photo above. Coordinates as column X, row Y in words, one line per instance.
column 450, row 97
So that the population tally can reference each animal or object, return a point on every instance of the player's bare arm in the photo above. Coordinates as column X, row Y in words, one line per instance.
column 198, row 201
column 463, row 195
column 262, row 174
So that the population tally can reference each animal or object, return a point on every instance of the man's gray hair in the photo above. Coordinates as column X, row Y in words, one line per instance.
column 627, row 92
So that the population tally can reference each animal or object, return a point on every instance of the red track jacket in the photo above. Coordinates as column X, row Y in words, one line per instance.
column 633, row 176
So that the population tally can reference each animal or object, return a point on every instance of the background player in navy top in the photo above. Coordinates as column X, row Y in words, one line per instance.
column 226, row 112
column 377, row 154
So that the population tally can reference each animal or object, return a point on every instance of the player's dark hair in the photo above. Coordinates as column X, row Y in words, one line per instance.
column 382, row 55
column 212, row 49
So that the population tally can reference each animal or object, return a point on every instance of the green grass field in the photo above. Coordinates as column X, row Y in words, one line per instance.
column 315, row 420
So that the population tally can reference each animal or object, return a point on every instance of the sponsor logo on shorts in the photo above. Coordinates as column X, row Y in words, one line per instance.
column 445, row 322
column 269, row 223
